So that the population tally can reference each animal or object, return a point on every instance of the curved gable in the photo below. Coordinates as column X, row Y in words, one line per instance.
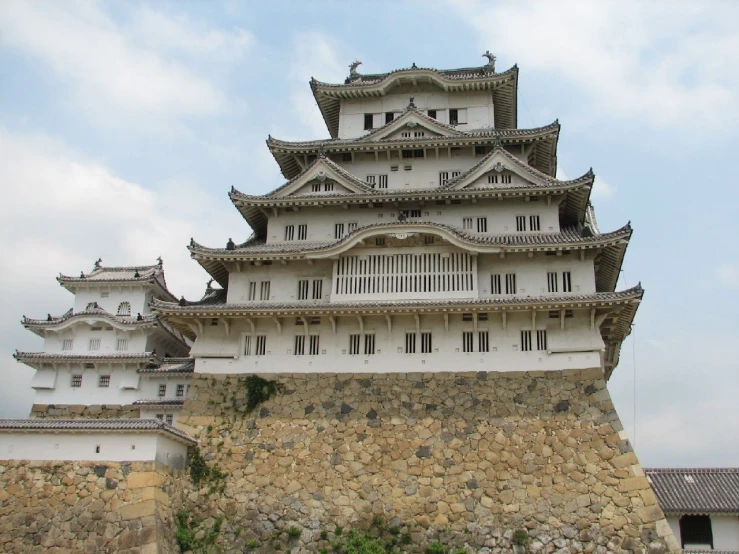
column 321, row 177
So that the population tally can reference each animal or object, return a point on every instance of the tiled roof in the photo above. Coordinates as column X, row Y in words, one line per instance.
column 78, row 357
column 120, row 274
column 568, row 236
column 94, row 310
column 633, row 293
column 159, row 402
column 696, row 490
column 170, row 365
column 72, row 425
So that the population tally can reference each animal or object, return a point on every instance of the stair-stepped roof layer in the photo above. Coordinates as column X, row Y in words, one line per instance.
column 618, row 308
column 503, row 87
column 111, row 276
column 541, row 141
column 713, row 490
column 354, row 191
column 148, row 362
column 612, row 246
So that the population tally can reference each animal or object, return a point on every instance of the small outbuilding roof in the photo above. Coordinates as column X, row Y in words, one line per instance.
column 696, row 490
column 93, row 425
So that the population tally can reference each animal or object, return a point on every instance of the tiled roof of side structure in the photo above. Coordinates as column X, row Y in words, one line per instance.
column 121, row 274
column 696, row 490
column 159, row 402
column 93, row 309
column 76, row 425
column 142, row 357
column 170, row 366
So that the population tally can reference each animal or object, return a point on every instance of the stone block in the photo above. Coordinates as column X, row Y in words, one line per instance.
column 138, row 510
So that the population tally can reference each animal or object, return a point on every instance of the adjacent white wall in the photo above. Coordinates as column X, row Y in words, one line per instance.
column 114, row 446
column 725, row 532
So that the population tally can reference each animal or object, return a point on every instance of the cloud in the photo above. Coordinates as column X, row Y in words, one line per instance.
column 651, row 61
column 728, row 275
column 314, row 55
column 117, row 74
column 61, row 211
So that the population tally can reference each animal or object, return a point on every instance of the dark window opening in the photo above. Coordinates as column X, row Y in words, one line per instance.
column 389, row 116
column 696, row 530
column 453, row 117
column 367, row 121
column 432, row 114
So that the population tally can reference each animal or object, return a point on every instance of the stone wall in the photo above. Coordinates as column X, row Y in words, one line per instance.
column 86, row 507
column 79, row 411
column 468, row 458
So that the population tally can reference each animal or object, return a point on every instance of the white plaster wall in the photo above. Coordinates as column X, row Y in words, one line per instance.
column 479, row 107
column 674, row 522
column 531, row 278
column 580, row 346
column 80, row 332
column 725, row 532
column 501, row 217
column 114, row 446
column 138, row 297
column 92, row 394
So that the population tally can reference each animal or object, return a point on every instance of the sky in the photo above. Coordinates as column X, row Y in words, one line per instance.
column 124, row 125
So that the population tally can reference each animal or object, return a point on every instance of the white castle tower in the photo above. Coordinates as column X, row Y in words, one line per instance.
column 428, row 234
column 109, row 350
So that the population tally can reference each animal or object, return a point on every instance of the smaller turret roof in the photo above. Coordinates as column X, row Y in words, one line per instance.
column 119, row 275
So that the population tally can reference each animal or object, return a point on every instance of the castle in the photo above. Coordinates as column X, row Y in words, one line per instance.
column 439, row 309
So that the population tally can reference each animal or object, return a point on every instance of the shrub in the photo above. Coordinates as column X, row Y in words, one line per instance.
column 436, row 547
column 293, row 532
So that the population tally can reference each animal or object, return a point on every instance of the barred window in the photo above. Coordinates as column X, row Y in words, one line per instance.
column 94, row 344
column 534, row 223
column 261, row 345
column 289, row 232
column 121, row 344
column 541, row 340
column 467, row 223
column 67, row 344
column 303, row 289
column 302, row 231
column 338, row 230
column 252, row 290
column 317, row 289
column 510, row 283
column 493, row 179
column 354, row 345
column 124, row 308
column 369, row 345
column 299, row 345
column 425, row 343
column 482, row 224
column 316, row 187
column 495, row 287
column 467, row 341
column 247, row 345
column 505, row 179
column 520, row 223
column 162, row 391
column 169, row 419
column 483, row 341
column 264, row 291
column 180, row 390
column 382, row 184
column 104, row 381
column 566, row 281
column 351, row 227
column 525, row 341
column 77, row 380
column 443, row 178
column 410, row 343
column 314, row 345
column 552, row 281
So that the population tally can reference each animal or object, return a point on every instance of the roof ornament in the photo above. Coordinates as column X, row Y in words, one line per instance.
column 182, row 301
column 411, row 103
column 321, row 176
column 48, row 317
column 230, row 245
column 98, row 262
column 491, row 60
column 209, row 285
column 414, row 66
column 139, row 317
column 136, row 274
column 497, row 143
column 92, row 306
column 192, row 241
column 160, row 262
column 322, row 152
column 498, row 167
column 82, row 274
column 353, row 73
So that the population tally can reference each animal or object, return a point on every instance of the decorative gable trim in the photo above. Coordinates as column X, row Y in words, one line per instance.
column 321, row 170
column 411, row 119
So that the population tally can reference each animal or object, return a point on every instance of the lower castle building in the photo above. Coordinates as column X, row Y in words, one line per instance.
column 417, row 336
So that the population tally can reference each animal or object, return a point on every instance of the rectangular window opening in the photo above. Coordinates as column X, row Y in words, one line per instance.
column 162, row 392
column 525, row 341
column 354, row 345
column 368, row 121
column 520, row 223
column 77, row 380
column 104, row 381
column 482, row 224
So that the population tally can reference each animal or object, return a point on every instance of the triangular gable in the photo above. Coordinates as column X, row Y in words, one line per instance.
column 499, row 169
column 413, row 121
column 325, row 177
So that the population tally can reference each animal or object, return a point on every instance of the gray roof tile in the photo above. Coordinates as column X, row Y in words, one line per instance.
column 696, row 490
column 72, row 425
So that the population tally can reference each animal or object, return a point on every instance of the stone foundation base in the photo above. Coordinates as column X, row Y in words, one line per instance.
column 78, row 411
column 468, row 458
column 86, row 507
